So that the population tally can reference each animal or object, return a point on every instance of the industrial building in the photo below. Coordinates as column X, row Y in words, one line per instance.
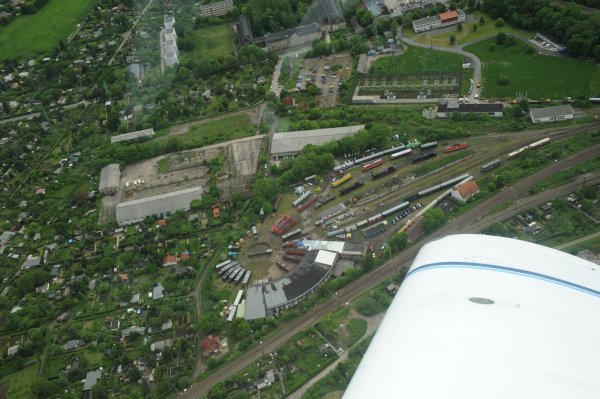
column 449, row 106
column 132, row 135
column 551, row 114
column 216, row 9
column 269, row 298
column 110, row 176
column 439, row 21
column 292, row 143
column 487, row 317
column 135, row 211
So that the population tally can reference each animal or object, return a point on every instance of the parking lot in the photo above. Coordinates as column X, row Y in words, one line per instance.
column 328, row 74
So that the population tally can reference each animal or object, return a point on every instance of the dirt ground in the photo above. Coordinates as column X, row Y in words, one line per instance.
column 187, row 169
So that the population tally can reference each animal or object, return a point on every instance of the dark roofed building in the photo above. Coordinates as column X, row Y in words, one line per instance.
column 332, row 16
column 446, row 108
column 269, row 298
column 244, row 30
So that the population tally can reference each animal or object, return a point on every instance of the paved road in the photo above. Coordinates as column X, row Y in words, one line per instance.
column 463, row 223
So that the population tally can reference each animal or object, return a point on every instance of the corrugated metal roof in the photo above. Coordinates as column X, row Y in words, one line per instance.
column 294, row 142
column 110, row 176
column 132, row 135
column 136, row 210
column 548, row 112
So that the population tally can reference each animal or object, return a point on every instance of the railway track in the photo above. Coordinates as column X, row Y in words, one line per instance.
column 469, row 221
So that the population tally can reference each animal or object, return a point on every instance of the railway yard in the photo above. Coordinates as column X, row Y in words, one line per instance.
column 366, row 200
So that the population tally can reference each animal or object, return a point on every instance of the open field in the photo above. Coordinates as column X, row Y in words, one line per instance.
column 416, row 60
column 488, row 29
column 43, row 30
column 214, row 41
column 19, row 384
column 539, row 75
column 229, row 128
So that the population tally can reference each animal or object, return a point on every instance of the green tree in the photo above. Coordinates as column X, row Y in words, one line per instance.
column 433, row 219
column 481, row 20
column 217, row 391
column 184, row 382
column 524, row 104
column 459, row 27
column 501, row 38
column 398, row 242
column 452, row 40
column 475, row 28
column 499, row 23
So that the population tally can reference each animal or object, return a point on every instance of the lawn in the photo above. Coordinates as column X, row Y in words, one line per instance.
column 19, row 384
column 228, row 128
column 416, row 60
column 43, row 30
column 539, row 76
column 212, row 42
column 488, row 29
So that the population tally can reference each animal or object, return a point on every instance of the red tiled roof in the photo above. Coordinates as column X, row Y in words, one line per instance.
column 169, row 259
column 468, row 189
column 448, row 15
column 211, row 344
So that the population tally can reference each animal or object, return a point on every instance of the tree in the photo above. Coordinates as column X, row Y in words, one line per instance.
column 475, row 28
column 452, row 40
column 492, row 47
column 240, row 328
column 398, row 242
column 433, row 219
column 499, row 23
column 184, row 382
column 501, row 38
column 80, row 195
column 217, row 391
column 481, row 20
column 459, row 28
column 209, row 323
column 524, row 104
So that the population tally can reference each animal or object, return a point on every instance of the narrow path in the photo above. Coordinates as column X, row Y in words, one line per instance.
column 372, row 325
column 579, row 240
column 200, row 367
column 127, row 34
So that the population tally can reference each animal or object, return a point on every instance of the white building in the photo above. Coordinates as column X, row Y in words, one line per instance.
column 439, row 21
column 551, row 114
column 168, row 41
column 487, row 317
column 216, row 9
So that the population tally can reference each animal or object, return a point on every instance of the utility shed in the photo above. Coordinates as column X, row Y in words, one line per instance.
column 109, row 179
column 91, row 379
column 132, row 135
column 552, row 114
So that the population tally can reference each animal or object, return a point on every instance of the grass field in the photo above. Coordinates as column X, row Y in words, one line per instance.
column 19, row 384
column 212, row 42
column 43, row 30
column 488, row 29
column 540, row 76
column 418, row 60
column 228, row 128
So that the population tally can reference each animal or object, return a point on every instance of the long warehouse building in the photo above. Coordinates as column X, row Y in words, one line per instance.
column 129, row 212
column 292, row 143
column 487, row 317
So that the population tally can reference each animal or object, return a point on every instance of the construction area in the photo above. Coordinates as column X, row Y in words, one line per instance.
column 185, row 173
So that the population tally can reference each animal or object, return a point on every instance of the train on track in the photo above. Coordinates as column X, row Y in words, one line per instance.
column 368, row 158
column 424, row 157
column 366, row 222
column 353, row 187
column 456, row 147
column 532, row 146
column 437, row 187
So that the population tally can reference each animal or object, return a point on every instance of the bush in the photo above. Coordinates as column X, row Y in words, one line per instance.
column 368, row 306
column 492, row 47
column 503, row 80
column 499, row 23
